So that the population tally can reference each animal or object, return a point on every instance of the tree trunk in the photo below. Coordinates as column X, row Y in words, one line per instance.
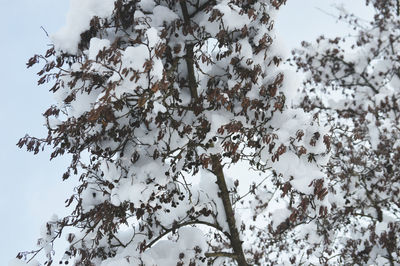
column 230, row 216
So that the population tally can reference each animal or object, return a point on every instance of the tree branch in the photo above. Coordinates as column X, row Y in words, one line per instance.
column 167, row 231
column 220, row 254
column 202, row 7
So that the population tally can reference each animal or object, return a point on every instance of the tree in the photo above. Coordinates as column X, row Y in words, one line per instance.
column 354, row 81
column 156, row 100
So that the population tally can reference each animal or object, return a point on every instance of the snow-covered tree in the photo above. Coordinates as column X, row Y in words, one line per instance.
column 354, row 83
column 157, row 102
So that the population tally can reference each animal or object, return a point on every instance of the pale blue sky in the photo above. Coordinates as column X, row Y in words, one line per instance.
column 32, row 189
column 31, row 186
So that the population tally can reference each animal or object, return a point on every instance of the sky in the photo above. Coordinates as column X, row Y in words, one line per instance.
column 32, row 190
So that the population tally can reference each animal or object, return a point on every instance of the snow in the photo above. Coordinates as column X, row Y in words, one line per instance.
column 231, row 15
column 290, row 165
column 145, row 181
column 159, row 108
column 96, row 45
column 147, row 5
column 135, row 57
column 84, row 102
column 246, row 52
column 373, row 131
column 152, row 37
column 78, row 20
column 162, row 14
column 279, row 215
column 291, row 82
column 166, row 252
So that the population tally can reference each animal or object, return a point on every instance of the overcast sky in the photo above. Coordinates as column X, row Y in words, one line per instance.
column 31, row 186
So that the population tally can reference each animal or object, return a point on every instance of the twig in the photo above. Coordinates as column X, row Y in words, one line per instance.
column 47, row 34
column 251, row 190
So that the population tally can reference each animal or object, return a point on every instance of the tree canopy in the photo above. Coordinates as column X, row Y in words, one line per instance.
column 354, row 81
column 160, row 102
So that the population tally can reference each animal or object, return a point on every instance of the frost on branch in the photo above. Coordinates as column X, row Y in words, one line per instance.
column 357, row 90
column 155, row 101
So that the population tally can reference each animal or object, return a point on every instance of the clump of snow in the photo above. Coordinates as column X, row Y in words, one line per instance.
column 278, row 216
column 78, row 20
column 167, row 252
column 373, row 130
column 162, row 14
column 96, row 45
column 135, row 57
column 147, row 5
column 152, row 37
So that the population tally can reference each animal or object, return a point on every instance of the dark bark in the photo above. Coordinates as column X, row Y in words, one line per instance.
column 230, row 215
column 189, row 56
